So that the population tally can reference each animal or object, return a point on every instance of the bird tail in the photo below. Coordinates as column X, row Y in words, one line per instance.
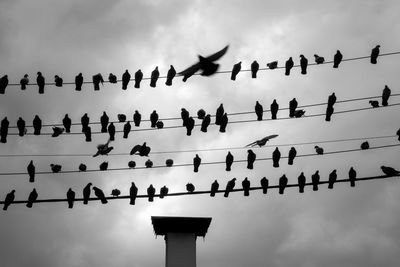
column 29, row 204
column 104, row 201
column 85, row 201
column 330, row 185
column 226, row 194
column 246, row 193
column 5, row 207
column 212, row 194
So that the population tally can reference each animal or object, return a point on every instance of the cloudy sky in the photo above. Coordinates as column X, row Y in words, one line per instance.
column 341, row 227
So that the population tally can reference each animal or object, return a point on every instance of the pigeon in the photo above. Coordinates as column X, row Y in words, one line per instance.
column 235, row 70
column 288, row 66
column 318, row 59
column 329, row 112
column 319, row 150
column 85, row 122
column 78, row 82
column 82, row 167
column 229, row 187
column 159, row 125
column 262, row 141
column 258, row 108
column 214, row 188
column 32, row 198
column 153, row 119
column 332, row 99
column 292, row 155
column 272, row 65
column 121, row 117
column 302, row 182
column 133, row 190
column 374, row 103
column 264, row 184
column 67, row 123
column 315, row 180
column 246, row 187
column 131, row 164
column 86, row 193
column 219, row 113
column 201, row 114
column 385, row 95
column 126, row 77
column 374, row 54
column 31, row 171
column 148, row 163
column 58, row 81
column 137, row 117
column 274, row 109
column 292, row 107
column 163, row 191
column 4, row 130
column 185, row 116
column 103, row 166
column 37, row 125
column 303, row 64
column 276, row 156
column 21, row 127
column 104, row 119
column 283, row 181
column 103, row 149
column 190, row 187
column 97, row 79
column 251, row 157
column 169, row 162
column 189, row 126
column 150, row 192
column 70, row 198
column 115, row 192
column 299, row 113
column 170, row 75
column 337, row 58
column 254, row 69
column 398, row 134
column 100, row 194
column 196, row 163
column 141, row 150
column 57, row 131
column 205, row 123
column 364, row 145
column 205, row 64
column 228, row 161
column 332, row 179
column 88, row 134
column 40, row 82
column 352, row 177
column 127, row 129
column 224, row 123
column 55, row 168
column 111, row 131
column 154, row 77
column 389, row 171
column 24, row 82
column 9, row 199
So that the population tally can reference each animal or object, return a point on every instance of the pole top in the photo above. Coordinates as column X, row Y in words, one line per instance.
column 166, row 224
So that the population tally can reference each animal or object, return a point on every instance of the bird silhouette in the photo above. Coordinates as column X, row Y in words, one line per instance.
column 150, row 193
column 318, row 59
column 251, row 157
column 337, row 58
column 4, row 130
column 82, row 167
column 86, row 193
column 352, row 177
column 224, row 123
column 272, row 65
column 274, row 109
column 190, row 187
column 121, row 117
column 292, row 155
column 389, row 171
column 100, row 194
column 201, row 114
column 283, row 181
column 364, row 145
column 219, row 113
column 21, row 127
column 31, row 171
column 374, row 54
column 254, row 69
column 3, row 84
column 329, row 112
column 57, row 131
column 385, row 95
column 97, row 79
column 262, row 142
column 138, row 78
column 37, row 125
column 70, row 198
column 153, row 119
column 163, row 191
column 85, row 122
column 103, row 166
column 229, row 161
column 127, row 129
column 24, row 82
column 189, row 126
column 141, row 150
column 276, row 156
column 258, row 108
column 111, row 131
column 137, row 117
column 315, row 180
column 205, row 123
column 58, row 81
column 332, row 99
column 292, row 107
column 185, row 116
column 55, row 168
column 374, row 103
column 148, row 163
column 170, row 75
column 229, row 187
column 196, row 163
column 88, row 134
column 104, row 119
column 299, row 113
column 126, row 77
column 131, row 164
column 154, row 77
column 319, row 150
column 40, row 80
column 103, row 149
column 332, row 179
column 115, row 192
column 67, row 123
column 9, row 199
column 303, row 64
column 169, row 162
column 264, row 184
column 398, row 134
column 235, row 70
column 214, row 188
column 288, row 66
column 302, row 182
column 133, row 190
column 246, row 187
column 78, row 82
column 32, row 198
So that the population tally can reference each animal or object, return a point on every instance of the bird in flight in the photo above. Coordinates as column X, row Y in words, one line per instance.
column 262, row 141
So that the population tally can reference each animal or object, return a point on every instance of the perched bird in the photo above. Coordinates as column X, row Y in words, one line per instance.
column 55, row 168
column 97, row 79
column 364, row 145
column 21, row 127
column 190, row 187
column 205, row 123
column 138, row 78
column 389, row 171
column 229, row 187
column 154, row 77
column 163, row 191
column 224, row 123
column 100, row 194
column 264, row 184
column 78, row 82
column 126, row 77
column 37, row 125
column 40, row 82
column 115, row 192
column 57, row 131
column 352, row 177
column 104, row 119
column 24, row 82
column 318, row 59
column 103, row 166
column 170, row 75
column 292, row 107
column 374, row 54
column 189, row 126
column 283, row 181
column 398, row 134
column 274, row 109
column 288, row 66
column 374, row 103
column 9, row 199
column 219, row 113
column 258, row 108
column 332, row 179
column 196, row 163
column 70, row 198
column 201, row 114
column 103, row 149
column 214, row 188
column 31, row 171
column 88, row 134
column 332, row 99
column 85, row 122
column 302, row 182
column 148, row 163
column 82, row 167
column 153, row 119
column 137, row 117
column 67, row 123
column 111, row 131
column 229, row 161
column 292, row 155
column 121, row 117
column 385, row 95
column 205, row 64
column 246, row 187
column 127, row 129
column 303, row 64
column 315, row 180
column 262, row 141
column 133, row 190
column 272, row 65
column 319, row 150
column 150, row 193
column 141, row 150
column 185, row 116
column 329, row 112
column 131, row 164
column 58, row 81
column 251, row 157
column 235, row 70
column 169, row 162
column 86, row 193
column 254, row 69
column 337, row 58
column 32, row 198
column 4, row 130
column 299, row 113
column 276, row 156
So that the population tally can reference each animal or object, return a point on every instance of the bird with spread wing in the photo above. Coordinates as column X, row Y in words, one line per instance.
column 103, row 149
column 262, row 141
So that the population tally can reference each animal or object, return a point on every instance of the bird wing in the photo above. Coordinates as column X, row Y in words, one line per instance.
column 218, row 54
column 252, row 144
column 191, row 70
column 135, row 149
column 270, row 137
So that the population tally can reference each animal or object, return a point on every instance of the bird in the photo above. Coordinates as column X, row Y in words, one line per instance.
column 219, row 113
column 121, row 117
column 40, row 80
column 264, row 184
column 319, row 150
column 329, row 112
column 258, row 108
column 153, row 118
column 374, row 103
column 185, row 116
column 214, row 188
column 332, row 99
column 163, row 191
column 78, row 82
column 229, row 161
column 137, row 117
column 332, row 179
column 112, row 78
column 3, row 84
column 190, row 187
column 272, row 65
column 302, row 182
column 103, row 166
column 385, row 95
column 127, row 129
column 205, row 123
column 57, row 131
column 88, row 134
column 31, row 171
column 170, row 75
column 374, row 54
column 70, row 198
column 9, row 199
column 138, row 78
column 337, row 58
column 111, row 131
column 389, row 171
column 262, row 141
column 24, row 82
column 292, row 155
column 154, row 77
column 131, row 164
column 235, row 70
column 126, row 77
column 205, row 64
column 315, row 180
column 251, row 157
column 364, row 145
column 318, row 59
column 85, row 122
column 274, row 109
column 276, row 156
column 67, row 123
column 4, row 130
column 196, row 163
column 86, row 193
column 283, row 181
column 104, row 119
column 55, row 168
column 398, row 134
column 100, row 194
column 160, row 125
column 103, row 149
column 352, row 177
column 141, row 150
column 169, row 162
column 299, row 113
column 148, row 163
column 224, row 123
column 58, row 81
column 115, row 192
column 303, row 64
column 288, row 66
column 82, row 167
column 189, row 126
column 150, row 193
column 229, row 187
column 254, row 69
column 21, row 127
column 37, row 125
column 292, row 107
column 97, row 79
column 246, row 187
column 32, row 198
column 133, row 190
column 201, row 114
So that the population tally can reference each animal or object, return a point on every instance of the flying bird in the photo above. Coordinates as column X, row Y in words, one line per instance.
column 190, row 187
column 229, row 187
column 318, row 59
column 352, row 177
column 40, row 82
column 37, row 125
column 254, row 69
column 302, row 182
column 9, row 199
column 82, row 167
column 303, row 64
column 55, row 168
column 32, row 198
column 389, row 171
column 262, row 141
column 57, row 131
column 205, row 123
column 288, row 66
column 292, row 107
column 196, row 163
column 229, row 161
column 385, row 95
column 67, row 123
column 138, row 78
column 4, row 130
column 111, row 131
column 163, row 191
column 276, row 156
column 21, row 127
column 24, row 82
column 104, row 120
column 219, row 113
column 100, row 194
column 97, row 79
column 112, row 78
column 103, row 166
column 315, row 180
column 170, row 75
column 133, row 190
column 31, row 171
column 224, row 123
column 364, row 145
column 70, row 198
column 141, row 150
column 103, row 149
column 274, row 109
column 374, row 103
column 332, row 179
column 115, row 192
column 258, row 108
column 251, row 157
column 374, row 54
column 126, row 77
column 235, row 70
column 337, row 58
column 78, row 82
column 292, row 155
column 137, row 117
column 86, row 193
column 264, row 184
column 283, row 181
column 214, row 188
column 58, row 81
column 272, row 65
column 153, row 118
column 127, row 129
column 246, row 187
column 154, row 77
column 319, row 150
column 150, row 193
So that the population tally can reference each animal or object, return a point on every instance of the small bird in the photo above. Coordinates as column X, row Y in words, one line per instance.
column 385, row 95
column 292, row 155
column 104, row 120
column 153, row 119
column 303, row 64
column 229, row 161
column 214, row 188
column 55, row 168
column 264, row 184
column 133, row 190
column 318, row 59
column 131, row 164
column 37, row 125
column 100, row 194
column 319, row 150
column 374, row 54
column 235, row 70
column 332, row 179
column 272, row 65
column 67, row 123
column 150, row 193
column 115, row 192
column 274, row 109
column 21, row 127
column 283, row 181
column 70, row 198
column 32, row 198
column 169, row 162
column 137, row 117
column 332, row 99
column 9, row 199
column 40, row 82
column 111, row 131
column 138, row 78
column 78, row 82
column 154, row 77
column 276, row 156
column 262, row 141
column 127, row 129
column 97, row 79
column 374, row 103
column 189, row 126
column 219, row 113
column 126, row 77
column 196, row 163
column 121, row 117
column 299, row 113
column 329, row 112
column 112, row 78
column 103, row 149
column 88, row 134
column 258, row 108
column 229, row 187
column 315, row 180
column 85, row 122
column 185, row 116
column 86, row 193
column 288, row 66
column 251, row 157
column 103, row 166
column 201, row 114
column 364, row 145
column 24, row 82
column 389, row 171
column 82, row 167
column 58, row 81
column 292, row 107
column 246, row 187
column 352, row 177
column 190, row 187
column 170, row 75
column 254, row 69
column 398, row 134
column 337, row 58
column 31, row 171
column 163, row 191
column 57, row 131
column 4, row 130
column 302, row 182
column 224, row 123
column 205, row 123
column 141, row 150
column 148, row 163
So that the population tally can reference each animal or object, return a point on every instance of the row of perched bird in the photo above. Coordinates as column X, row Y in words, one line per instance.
column 206, row 64
column 190, row 188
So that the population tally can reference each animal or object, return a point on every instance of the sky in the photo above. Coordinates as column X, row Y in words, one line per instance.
column 341, row 227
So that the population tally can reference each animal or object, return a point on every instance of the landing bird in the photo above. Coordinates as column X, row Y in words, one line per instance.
column 127, row 129
column 205, row 64
column 374, row 54
column 141, row 150
column 112, row 78
column 385, row 95
column 67, row 123
column 82, row 167
column 57, row 131
column 374, row 103
column 70, row 198
column 55, row 168
column 264, row 184
column 126, row 77
column 111, row 131
column 154, row 77
column 364, row 145
column 153, row 118
column 163, row 191
column 246, row 187
column 229, row 161
column 9, row 199
column 103, row 149
column 352, row 177
column 115, row 192
column 150, row 193
column 78, row 82
column 37, row 125
column 31, row 171
column 274, row 109
column 389, row 171
column 86, row 193
column 319, row 150
column 24, row 82
column 40, row 82
column 254, row 69
column 137, row 117
column 219, row 113
column 303, row 64
column 315, row 180
column 58, row 81
column 21, row 127
column 103, row 166
column 235, row 70
column 190, row 187
column 332, row 179
column 251, row 157
column 170, row 75
column 196, row 163
column 214, row 188
column 258, row 108
column 262, row 141
column 32, row 198
column 302, row 182
column 100, row 194
column 205, row 123
column 299, row 113
column 292, row 107
column 276, row 156
column 133, row 190
column 292, row 155
column 283, row 181
column 318, row 59
column 337, row 58
column 272, row 65
column 288, row 66
column 229, row 187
